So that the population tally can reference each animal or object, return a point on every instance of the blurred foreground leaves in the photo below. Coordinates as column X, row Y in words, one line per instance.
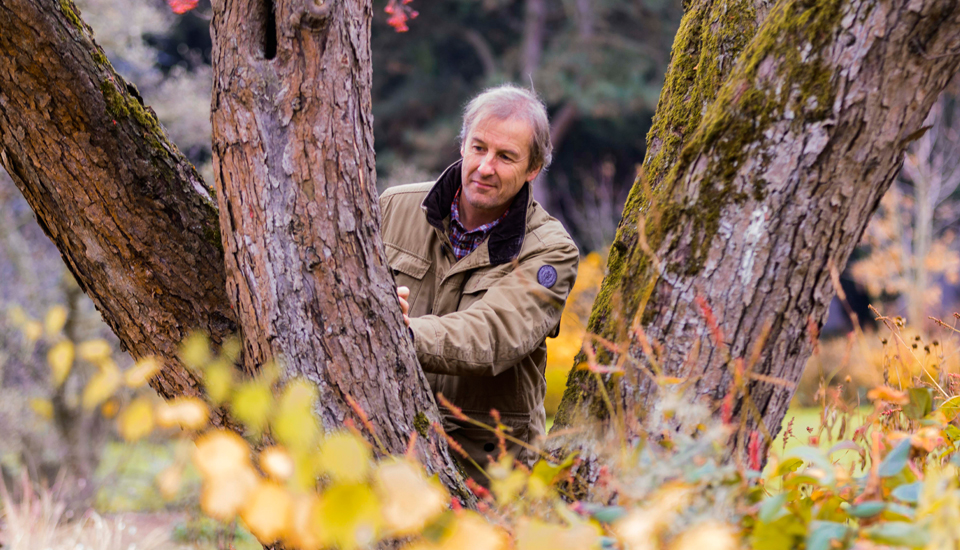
column 289, row 481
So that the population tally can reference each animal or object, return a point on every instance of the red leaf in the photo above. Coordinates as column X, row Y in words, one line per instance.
column 182, row 6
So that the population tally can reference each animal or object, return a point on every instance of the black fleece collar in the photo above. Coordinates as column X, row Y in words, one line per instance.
column 506, row 238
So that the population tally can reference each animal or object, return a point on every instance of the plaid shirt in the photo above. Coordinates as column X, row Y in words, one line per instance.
column 463, row 241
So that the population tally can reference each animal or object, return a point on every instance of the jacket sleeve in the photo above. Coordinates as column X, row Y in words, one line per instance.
column 506, row 324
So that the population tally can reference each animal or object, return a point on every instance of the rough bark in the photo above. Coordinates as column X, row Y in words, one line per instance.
column 294, row 168
column 129, row 213
column 711, row 36
column 772, row 189
column 140, row 231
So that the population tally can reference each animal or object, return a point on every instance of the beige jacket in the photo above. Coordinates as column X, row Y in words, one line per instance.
column 480, row 323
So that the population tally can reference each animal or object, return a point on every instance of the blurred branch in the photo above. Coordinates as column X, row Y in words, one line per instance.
column 483, row 50
column 535, row 16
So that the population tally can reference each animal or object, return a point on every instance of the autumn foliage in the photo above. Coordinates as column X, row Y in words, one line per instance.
column 886, row 475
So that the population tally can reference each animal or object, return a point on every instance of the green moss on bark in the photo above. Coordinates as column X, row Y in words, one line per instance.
column 743, row 111
column 122, row 105
column 100, row 58
column 70, row 11
column 711, row 36
column 780, row 76
column 116, row 105
column 583, row 388
column 421, row 423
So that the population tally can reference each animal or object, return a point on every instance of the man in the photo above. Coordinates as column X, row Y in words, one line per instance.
column 486, row 273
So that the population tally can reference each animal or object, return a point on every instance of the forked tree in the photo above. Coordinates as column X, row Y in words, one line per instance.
column 778, row 130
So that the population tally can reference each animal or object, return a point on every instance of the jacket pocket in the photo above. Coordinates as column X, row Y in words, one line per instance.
column 478, row 284
column 409, row 271
column 483, row 280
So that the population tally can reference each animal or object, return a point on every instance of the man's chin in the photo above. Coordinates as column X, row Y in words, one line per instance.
column 481, row 202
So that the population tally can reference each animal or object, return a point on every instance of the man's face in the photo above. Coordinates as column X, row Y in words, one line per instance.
column 496, row 164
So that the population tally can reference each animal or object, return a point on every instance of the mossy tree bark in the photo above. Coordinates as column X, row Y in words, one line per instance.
column 746, row 209
column 294, row 169
column 131, row 216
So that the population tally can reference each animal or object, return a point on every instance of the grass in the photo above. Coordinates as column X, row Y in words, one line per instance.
column 809, row 429
column 126, row 473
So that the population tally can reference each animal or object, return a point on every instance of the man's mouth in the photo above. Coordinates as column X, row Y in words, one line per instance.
column 483, row 185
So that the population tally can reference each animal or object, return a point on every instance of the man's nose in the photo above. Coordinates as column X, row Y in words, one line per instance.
column 486, row 167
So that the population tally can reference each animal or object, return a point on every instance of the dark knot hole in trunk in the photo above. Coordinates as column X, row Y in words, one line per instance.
column 269, row 34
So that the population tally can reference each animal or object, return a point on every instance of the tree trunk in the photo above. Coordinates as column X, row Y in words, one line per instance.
column 140, row 232
column 131, row 216
column 768, row 191
column 294, row 166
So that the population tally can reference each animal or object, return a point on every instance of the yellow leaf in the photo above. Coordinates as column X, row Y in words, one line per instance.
column 507, row 488
column 60, row 358
column 533, row 534
column 276, row 463
column 267, row 512
column 345, row 457
column 230, row 350
column 190, row 413
column 221, row 453
column 639, row 529
column 136, row 420
column 642, row 525
column 709, row 535
column 42, row 407
column 469, row 532
column 32, row 330
column 888, row 394
column 251, row 404
column 54, row 321
column 222, row 497
column 409, row 499
column 17, row 316
column 141, row 373
column 306, row 469
column 295, row 425
column 218, row 380
column 349, row 515
column 110, row 408
column 303, row 534
column 195, row 350
column 101, row 387
column 96, row 351
column 169, row 481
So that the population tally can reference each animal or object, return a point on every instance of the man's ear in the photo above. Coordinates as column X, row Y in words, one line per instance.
column 532, row 174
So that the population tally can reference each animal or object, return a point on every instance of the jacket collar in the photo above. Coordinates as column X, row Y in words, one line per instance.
column 505, row 240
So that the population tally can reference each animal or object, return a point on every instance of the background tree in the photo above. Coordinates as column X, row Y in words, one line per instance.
column 907, row 253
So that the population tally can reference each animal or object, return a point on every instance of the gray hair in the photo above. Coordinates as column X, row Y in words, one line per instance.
column 509, row 101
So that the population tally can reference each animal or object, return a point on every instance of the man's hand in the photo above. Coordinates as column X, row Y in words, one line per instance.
column 403, row 293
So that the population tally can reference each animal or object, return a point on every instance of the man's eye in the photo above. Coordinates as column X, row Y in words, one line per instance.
column 477, row 148
column 506, row 158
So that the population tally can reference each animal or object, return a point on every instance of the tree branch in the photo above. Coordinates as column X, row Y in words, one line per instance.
column 134, row 221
